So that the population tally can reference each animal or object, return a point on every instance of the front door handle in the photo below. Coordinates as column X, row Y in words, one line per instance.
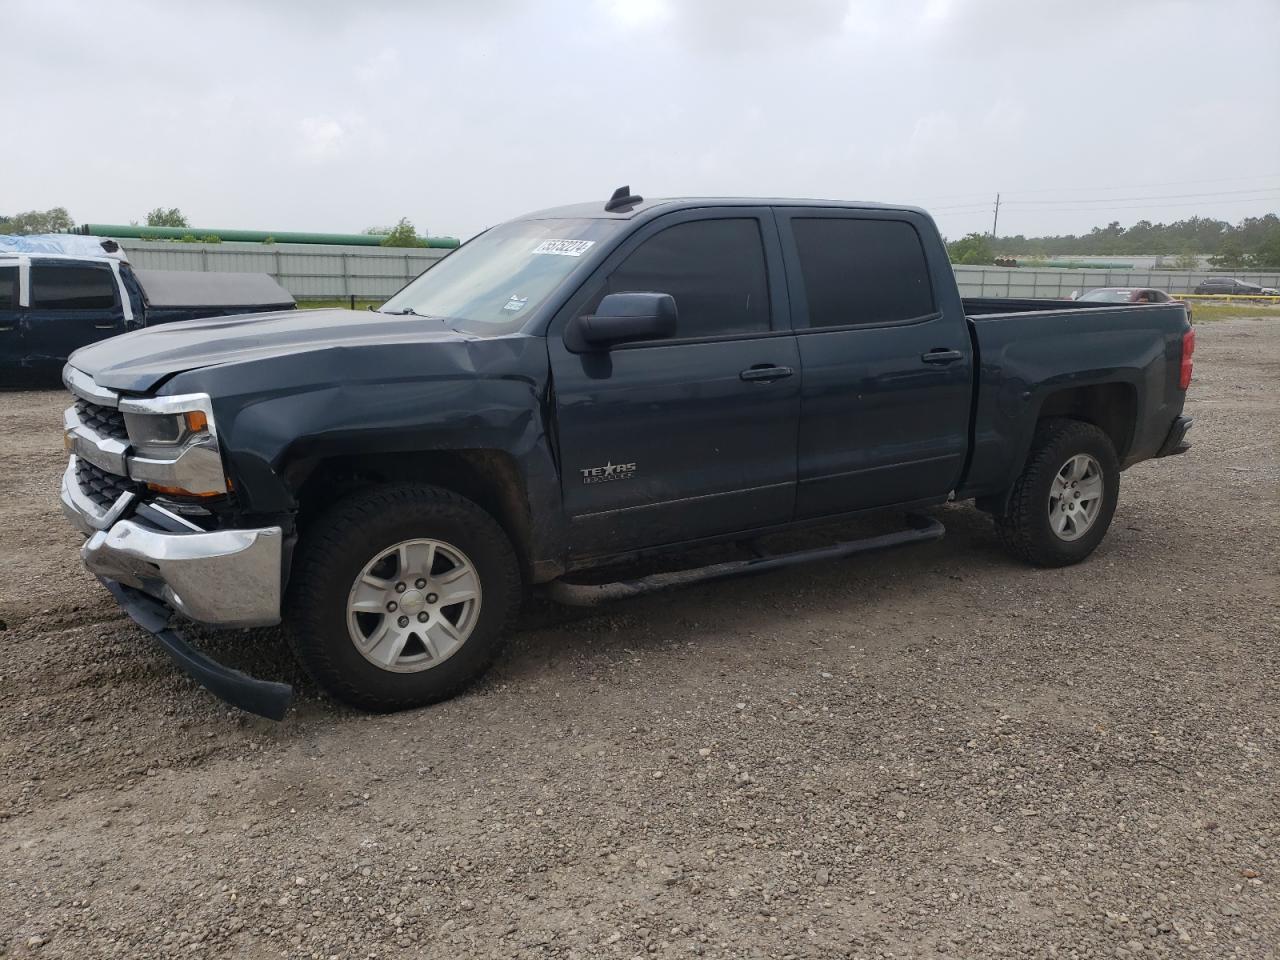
column 104, row 326
column 765, row 372
column 941, row 355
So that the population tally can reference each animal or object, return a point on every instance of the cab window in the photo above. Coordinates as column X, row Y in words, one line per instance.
column 72, row 287
column 715, row 270
column 860, row 272
column 8, row 288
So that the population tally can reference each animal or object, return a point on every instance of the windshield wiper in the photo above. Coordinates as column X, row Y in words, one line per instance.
column 410, row 312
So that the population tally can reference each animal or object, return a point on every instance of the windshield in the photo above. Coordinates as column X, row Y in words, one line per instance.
column 491, row 284
column 1108, row 296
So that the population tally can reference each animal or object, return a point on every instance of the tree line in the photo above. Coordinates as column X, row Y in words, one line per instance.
column 1253, row 243
column 58, row 220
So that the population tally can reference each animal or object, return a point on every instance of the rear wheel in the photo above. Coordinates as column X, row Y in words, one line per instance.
column 400, row 595
column 1062, row 503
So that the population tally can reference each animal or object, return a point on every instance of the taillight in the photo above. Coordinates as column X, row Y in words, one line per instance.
column 1188, row 348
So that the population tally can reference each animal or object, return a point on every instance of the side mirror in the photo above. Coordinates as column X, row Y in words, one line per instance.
column 623, row 318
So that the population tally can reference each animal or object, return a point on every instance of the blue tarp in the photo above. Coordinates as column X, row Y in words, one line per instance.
column 65, row 243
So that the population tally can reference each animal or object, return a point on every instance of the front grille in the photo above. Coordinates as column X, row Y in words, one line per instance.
column 104, row 421
column 102, row 488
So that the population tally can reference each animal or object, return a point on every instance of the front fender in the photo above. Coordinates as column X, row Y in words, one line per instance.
column 278, row 417
column 273, row 443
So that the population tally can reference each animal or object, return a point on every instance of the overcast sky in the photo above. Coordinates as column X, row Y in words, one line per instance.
column 336, row 115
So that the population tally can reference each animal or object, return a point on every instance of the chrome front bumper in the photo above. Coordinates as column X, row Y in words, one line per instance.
column 224, row 578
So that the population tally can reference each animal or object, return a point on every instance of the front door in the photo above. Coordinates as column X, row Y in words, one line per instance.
column 695, row 435
column 888, row 367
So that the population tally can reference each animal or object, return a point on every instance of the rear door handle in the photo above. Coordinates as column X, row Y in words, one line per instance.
column 942, row 355
column 765, row 372
column 104, row 326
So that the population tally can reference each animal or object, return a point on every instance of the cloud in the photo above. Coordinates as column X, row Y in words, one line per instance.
column 731, row 25
column 328, row 115
column 382, row 68
column 1005, row 118
column 319, row 138
column 639, row 13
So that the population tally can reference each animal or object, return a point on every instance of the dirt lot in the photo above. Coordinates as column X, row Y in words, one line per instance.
column 935, row 753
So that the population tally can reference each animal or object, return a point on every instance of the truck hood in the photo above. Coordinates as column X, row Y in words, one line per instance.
column 137, row 362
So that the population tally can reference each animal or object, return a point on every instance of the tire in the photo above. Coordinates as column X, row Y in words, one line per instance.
column 337, row 569
column 1033, row 527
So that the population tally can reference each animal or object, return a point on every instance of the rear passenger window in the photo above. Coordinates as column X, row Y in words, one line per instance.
column 862, row 271
column 8, row 288
column 714, row 269
column 72, row 287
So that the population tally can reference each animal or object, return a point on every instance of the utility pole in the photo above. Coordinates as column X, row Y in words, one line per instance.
column 995, row 219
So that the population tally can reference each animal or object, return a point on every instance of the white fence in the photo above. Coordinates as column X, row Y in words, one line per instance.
column 308, row 271
column 1031, row 282
column 313, row 271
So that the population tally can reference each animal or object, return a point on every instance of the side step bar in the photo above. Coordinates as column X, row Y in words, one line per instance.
column 923, row 530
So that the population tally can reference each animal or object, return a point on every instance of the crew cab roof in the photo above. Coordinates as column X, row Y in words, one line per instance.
column 647, row 208
column 12, row 256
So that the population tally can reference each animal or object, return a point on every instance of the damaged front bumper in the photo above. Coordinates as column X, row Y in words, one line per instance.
column 155, row 562
column 222, row 578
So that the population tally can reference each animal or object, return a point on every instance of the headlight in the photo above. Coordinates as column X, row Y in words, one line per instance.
column 165, row 429
column 175, row 445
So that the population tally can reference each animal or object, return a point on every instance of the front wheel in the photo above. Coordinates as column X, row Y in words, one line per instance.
column 400, row 596
column 1062, row 503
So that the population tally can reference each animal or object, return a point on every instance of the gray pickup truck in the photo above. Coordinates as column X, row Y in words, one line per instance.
column 577, row 388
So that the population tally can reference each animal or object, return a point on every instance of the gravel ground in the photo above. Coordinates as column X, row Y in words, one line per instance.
column 935, row 753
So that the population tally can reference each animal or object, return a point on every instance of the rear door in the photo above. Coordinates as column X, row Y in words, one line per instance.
column 692, row 436
column 884, row 346
column 72, row 303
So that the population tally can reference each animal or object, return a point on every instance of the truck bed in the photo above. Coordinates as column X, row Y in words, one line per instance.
column 173, row 295
column 975, row 307
column 1108, row 363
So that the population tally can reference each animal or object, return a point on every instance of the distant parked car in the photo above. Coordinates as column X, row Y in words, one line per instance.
column 1126, row 295
column 1229, row 286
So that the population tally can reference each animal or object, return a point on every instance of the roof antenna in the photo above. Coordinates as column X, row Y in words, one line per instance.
column 622, row 199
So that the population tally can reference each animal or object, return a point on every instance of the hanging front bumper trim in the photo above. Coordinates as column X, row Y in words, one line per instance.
column 263, row 697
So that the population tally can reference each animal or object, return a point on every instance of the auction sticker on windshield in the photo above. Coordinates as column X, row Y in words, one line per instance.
column 564, row 248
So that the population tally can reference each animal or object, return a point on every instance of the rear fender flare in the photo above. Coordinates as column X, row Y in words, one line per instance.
column 1049, row 399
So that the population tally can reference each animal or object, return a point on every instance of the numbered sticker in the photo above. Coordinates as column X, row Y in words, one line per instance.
column 564, row 248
